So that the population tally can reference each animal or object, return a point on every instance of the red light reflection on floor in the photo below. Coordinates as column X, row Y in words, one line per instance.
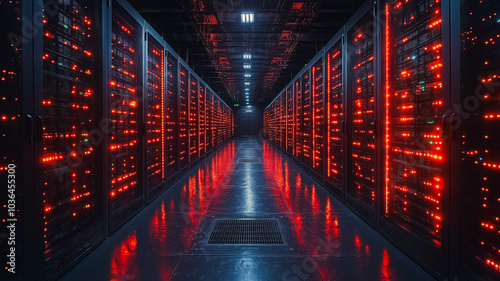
column 123, row 264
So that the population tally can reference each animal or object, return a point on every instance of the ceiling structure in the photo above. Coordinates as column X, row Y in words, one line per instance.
column 211, row 37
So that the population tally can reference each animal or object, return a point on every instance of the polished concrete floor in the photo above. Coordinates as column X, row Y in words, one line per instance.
column 323, row 240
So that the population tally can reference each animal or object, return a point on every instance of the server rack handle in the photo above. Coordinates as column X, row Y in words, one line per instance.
column 39, row 128
column 28, row 129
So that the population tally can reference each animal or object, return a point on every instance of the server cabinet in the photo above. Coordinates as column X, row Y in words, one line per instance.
column 307, row 124
column 267, row 125
column 335, row 119
column 193, row 118
column 17, row 137
column 318, row 116
column 68, row 117
column 210, row 107
column 289, row 120
column 476, row 134
column 415, row 153
column 155, row 117
column 202, row 117
column 125, row 194
column 183, row 117
column 218, row 110
column 297, row 96
column 282, row 121
column 171, row 118
column 361, row 100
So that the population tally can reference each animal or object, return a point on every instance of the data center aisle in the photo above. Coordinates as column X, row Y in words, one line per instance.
column 246, row 179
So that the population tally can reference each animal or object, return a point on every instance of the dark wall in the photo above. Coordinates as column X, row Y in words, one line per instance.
column 248, row 121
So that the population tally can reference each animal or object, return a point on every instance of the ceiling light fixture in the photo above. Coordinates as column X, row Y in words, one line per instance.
column 247, row 66
column 248, row 75
column 247, row 56
column 247, row 17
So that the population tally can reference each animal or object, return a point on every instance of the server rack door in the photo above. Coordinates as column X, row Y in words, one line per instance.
column 298, row 118
column 171, row 118
column 209, row 120
column 212, row 121
column 361, row 183
column 70, row 106
column 414, row 139
column 16, row 136
column 317, row 117
column 283, row 121
column 183, row 117
column 274, row 123
column 271, row 122
column 266, row 124
column 125, row 194
column 479, row 203
column 193, row 118
column 155, row 117
column 290, row 136
column 307, row 124
column 203, row 119
column 219, row 121
column 335, row 118
column 277, row 109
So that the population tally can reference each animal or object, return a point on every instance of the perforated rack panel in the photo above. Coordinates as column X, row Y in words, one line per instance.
column 414, row 108
column 171, row 116
column 69, row 107
column 155, row 114
column 193, row 119
column 362, row 105
column 318, row 117
column 479, row 251
column 125, row 112
column 183, row 117
column 335, row 116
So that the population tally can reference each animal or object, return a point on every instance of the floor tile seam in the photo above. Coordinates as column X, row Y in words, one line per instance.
column 293, row 216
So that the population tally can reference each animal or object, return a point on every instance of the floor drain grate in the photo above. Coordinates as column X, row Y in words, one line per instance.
column 246, row 231
column 249, row 160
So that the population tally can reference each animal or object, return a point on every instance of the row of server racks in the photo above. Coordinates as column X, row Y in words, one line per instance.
column 398, row 117
column 98, row 117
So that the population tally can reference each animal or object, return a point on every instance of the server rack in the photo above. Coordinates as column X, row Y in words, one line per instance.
column 210, row 106
column 193, row 119
column 125, row 111
column 203, row 121
column 155, row 125
column 361, row 110
column 183, row 117
column 289, row 121
column 416, row 183
column 306, row 119
column 171, row 118
column 68, row 111
column 17, row 123
column 335, row 120
column 475, row 140
column 318, row 116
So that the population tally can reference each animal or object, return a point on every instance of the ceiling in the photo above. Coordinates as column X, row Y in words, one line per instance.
column 210, row 37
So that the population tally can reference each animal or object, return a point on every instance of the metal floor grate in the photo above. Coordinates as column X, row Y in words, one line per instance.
column 249, row 160
column 246, row 231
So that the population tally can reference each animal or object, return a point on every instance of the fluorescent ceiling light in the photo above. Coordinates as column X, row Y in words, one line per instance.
column 248, row 75
column 247, row 17
column 247, row 56
column 247, row 83
column 247, row 66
